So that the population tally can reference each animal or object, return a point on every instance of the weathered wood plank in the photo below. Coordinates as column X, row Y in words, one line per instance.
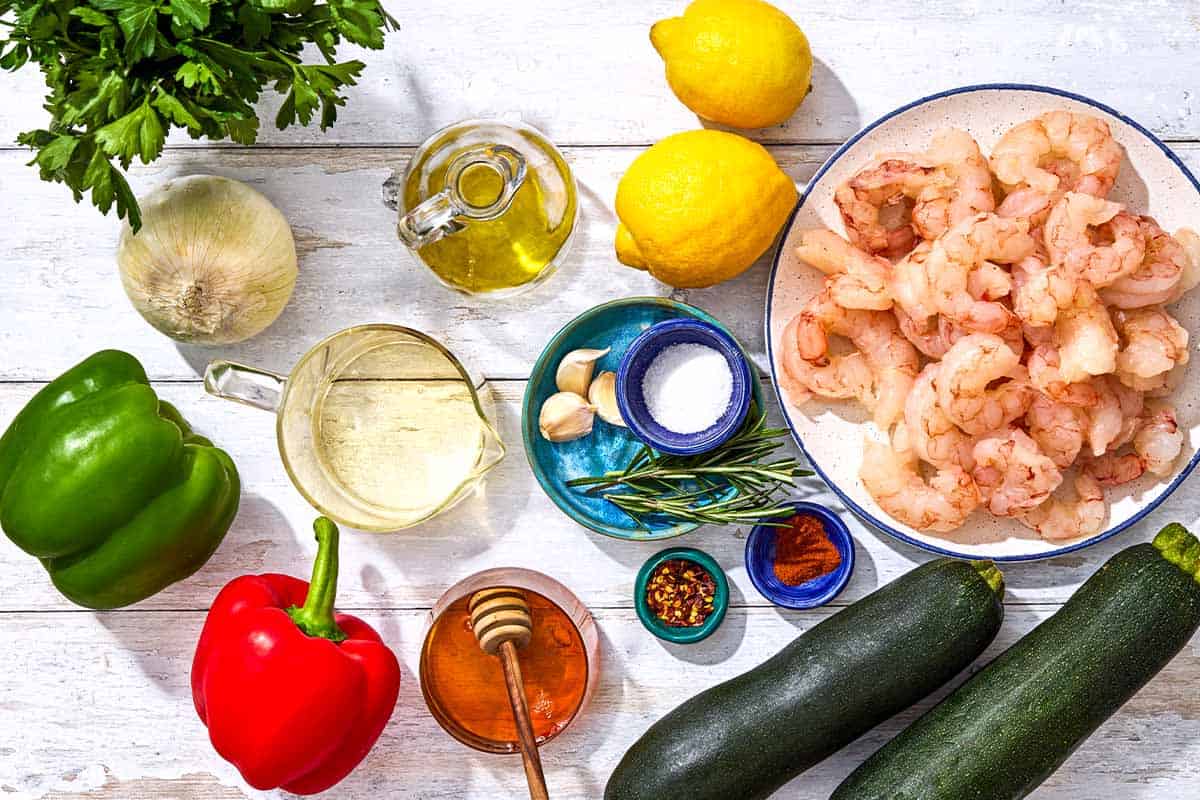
column 586, row 73
column 512, row 523
column 104, row 711
column 60, row 273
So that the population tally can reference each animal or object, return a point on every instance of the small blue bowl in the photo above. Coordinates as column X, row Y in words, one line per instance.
column 641, row 355
column 760, row 562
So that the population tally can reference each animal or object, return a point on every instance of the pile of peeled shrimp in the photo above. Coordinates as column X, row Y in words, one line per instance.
column 1009, row 324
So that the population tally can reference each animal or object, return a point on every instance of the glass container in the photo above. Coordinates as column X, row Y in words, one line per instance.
column 380, row 427
column 464, row 687
column 490, row 208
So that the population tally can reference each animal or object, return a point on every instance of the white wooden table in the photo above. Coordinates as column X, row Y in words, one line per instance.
column 98, row 705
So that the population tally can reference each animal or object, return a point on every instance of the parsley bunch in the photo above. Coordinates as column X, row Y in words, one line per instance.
column 122, row 72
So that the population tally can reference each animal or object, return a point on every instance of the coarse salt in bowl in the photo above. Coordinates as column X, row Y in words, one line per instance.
column 684, row 357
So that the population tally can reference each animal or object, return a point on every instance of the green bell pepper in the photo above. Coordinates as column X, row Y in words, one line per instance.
column 109, row 486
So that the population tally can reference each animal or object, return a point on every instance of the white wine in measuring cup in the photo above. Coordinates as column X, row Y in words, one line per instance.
column 380, row 427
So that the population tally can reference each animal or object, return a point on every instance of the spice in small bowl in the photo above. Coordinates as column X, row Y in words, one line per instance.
column 684, row 386
column 802, row 560
column 681, row 595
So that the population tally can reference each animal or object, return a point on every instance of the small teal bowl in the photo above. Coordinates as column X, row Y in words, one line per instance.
column 642, row 353
column 674, row 633
column 615, row 324
column 760, row 562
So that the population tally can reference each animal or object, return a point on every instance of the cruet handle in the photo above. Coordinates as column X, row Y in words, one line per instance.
column 258, row 388
column 448, row 211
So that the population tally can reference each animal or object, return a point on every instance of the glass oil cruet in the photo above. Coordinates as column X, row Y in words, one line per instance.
column 488, row 207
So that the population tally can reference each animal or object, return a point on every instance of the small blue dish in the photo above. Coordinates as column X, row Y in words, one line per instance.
column 614, row 324
column 760, row 562
column 641, row 355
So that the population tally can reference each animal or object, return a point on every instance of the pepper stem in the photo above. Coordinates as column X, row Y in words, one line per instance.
column 315, row 617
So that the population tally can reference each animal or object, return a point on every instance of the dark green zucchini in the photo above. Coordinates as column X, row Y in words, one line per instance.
column 1008, row 728
column 743, row 739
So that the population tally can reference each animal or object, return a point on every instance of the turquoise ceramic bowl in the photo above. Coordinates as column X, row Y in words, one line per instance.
column 616, row 325
column 672, row 633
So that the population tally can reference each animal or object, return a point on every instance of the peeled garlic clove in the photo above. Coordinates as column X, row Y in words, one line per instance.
column 603, row 395
column 566, row 416
column 575, row 370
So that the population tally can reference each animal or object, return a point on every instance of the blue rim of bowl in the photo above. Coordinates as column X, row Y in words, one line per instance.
column 725, row 427
column 674, row 634
column 542, row 364
column 858, row 510
column 835, row 529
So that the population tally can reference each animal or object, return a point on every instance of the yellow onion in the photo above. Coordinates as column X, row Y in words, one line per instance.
column 214, row 262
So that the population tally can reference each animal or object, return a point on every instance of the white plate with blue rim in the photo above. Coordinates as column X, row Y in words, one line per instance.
column 1152, row 181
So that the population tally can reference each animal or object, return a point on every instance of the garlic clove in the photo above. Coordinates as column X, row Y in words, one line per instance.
column 575, row 370
column 603, row 395
column 565, row 417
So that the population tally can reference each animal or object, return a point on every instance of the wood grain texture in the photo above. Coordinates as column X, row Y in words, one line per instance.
column 129, row 731
column 585, row 72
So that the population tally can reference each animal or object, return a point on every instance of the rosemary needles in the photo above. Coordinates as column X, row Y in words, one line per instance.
column 731, row 484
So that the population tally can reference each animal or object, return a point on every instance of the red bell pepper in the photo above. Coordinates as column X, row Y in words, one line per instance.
column 292, row 694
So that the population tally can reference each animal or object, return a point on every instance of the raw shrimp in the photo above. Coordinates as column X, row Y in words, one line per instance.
column 964, row 390
column 1152, row 344
column 1059, row 429
column 1062, row 519
column 1156, row 445
column 857, row 279
column 902, row 198
column 1158, row 278
column 1040, row 290
column 910, row 285
column 1094, row 239
column 1113, row 418
column 1013, row 332
column 935, row 439
column 1045, row 373
column 1012, row 474
column 964, row 191
column 891, row 475
column 1086, row 339
column 989, row 281
column 1190, row 241
column 1028, row 204
column 1159, row 441
column 840, row 377
column 964, row 248
column 1058, row 152
column 925, row 336
column 876, row 205
column 892, row 361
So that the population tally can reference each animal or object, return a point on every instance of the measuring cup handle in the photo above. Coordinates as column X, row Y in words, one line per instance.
column 258, row 388
column 449, row 211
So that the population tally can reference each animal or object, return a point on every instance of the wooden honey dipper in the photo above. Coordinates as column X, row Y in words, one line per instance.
column 502, row 623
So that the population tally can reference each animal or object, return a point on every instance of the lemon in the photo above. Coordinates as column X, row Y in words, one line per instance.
column 742, row 63
column 699, row 207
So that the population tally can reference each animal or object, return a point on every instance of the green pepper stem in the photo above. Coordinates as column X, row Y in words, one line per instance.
column 315, row 617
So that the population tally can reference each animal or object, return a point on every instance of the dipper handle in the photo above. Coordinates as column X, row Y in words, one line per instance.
column 501, row 620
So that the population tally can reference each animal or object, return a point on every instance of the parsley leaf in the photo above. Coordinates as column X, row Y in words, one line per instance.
column 121, row 73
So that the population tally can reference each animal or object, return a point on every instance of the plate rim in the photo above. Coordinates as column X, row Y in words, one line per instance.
column 539, row 368
column 854, row 507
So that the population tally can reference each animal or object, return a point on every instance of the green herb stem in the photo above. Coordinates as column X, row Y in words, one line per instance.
column 727, row 485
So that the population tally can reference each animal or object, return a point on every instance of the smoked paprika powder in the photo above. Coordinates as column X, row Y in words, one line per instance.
column 803, row 551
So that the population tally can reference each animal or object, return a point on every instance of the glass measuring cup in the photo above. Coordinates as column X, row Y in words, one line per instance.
column 488, row 207
column 464, row 687
column 380, row 427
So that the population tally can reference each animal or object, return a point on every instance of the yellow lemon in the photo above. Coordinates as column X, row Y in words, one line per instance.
column 738, row 62
column 699, row 207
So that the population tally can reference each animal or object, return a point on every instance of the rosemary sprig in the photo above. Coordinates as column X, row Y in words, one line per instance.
column 728, row 485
